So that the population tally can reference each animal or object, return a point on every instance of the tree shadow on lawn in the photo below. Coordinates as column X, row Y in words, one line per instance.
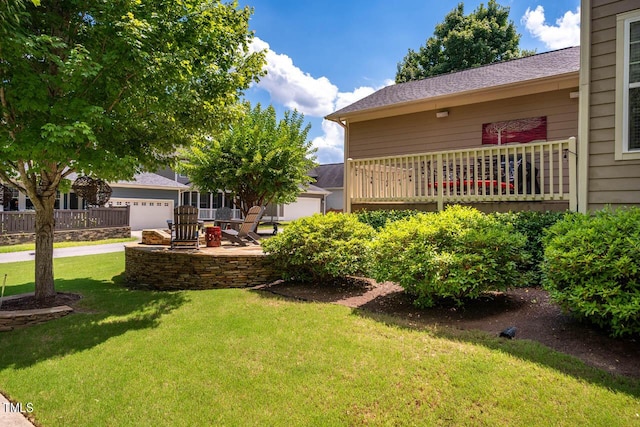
column 481, row 325
column 545, row 336
column 106, row 310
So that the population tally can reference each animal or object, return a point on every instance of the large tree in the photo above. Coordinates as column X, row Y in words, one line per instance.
column 259, row 159
column 108, row 88
column 10, row 11
column 464, row 41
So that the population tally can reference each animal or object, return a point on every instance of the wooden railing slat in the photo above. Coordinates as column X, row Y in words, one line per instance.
column 494, row 173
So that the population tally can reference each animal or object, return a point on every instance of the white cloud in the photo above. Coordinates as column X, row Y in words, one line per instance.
column 347, row 98
column 331, row 144
column 315, row 97
column 290, row 86
column 565, row 33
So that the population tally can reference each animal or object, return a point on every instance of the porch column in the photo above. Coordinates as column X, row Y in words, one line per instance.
column 346, row 185
column 440, row 182
column 572, row 157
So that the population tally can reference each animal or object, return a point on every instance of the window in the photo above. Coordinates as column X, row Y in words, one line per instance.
column 10, row 198
column 205, row 200
column 190, row 198
column 628, row 86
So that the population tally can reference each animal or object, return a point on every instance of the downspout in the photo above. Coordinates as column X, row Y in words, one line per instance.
column 345, row 181
column 584, row 110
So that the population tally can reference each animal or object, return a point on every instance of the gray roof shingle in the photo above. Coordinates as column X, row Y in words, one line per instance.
column 329, row 175
column 144, row 179
column 535, row 67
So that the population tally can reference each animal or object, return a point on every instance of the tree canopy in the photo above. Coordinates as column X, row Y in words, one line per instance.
column 108, row 88
column 10, row 11
column 259, row 159
column 464, row 41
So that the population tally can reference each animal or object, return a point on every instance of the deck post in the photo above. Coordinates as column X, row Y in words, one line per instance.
column 572, row 157
column 440, row 182
column 348, row 183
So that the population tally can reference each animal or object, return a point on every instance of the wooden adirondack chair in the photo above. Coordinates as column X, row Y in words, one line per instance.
column 247, row 231
column 186, row 228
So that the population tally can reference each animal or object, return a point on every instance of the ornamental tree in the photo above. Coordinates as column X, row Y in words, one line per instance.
column 109, row 88
column 464, row 41
column 258, row 159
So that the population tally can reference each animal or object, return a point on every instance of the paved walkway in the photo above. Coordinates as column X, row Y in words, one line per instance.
column 67, row 252
column 64, row 252
column 9, row 418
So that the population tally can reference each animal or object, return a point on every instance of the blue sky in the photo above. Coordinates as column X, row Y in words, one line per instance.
column 324, row 55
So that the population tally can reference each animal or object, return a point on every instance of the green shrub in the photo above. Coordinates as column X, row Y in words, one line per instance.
column 533, row 225
column 322, row 248
column 592, row 268
column 456, row 254
column 378, row 219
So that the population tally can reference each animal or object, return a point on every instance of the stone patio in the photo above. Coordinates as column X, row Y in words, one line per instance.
column 228, row 266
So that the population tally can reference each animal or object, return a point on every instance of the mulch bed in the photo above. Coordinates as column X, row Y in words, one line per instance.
column 528, row 309
column 28, row 302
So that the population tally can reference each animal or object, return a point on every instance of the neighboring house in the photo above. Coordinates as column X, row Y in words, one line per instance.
column 151, row 199
column 610, row 104
column 330, row 177
column 206, row 202
column 499, row 137
column 311, row 200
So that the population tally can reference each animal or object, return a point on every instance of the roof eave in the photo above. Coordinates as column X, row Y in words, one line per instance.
column 521, row 88
column 147, row 187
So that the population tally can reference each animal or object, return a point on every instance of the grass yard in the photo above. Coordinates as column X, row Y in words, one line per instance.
column 239, row 357
column 32, row 246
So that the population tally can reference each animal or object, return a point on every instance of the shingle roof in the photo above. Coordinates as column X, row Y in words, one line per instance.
column 152, row 180
column 540, row 66
column 328, row 176
column 312, row 189
column 144, row 179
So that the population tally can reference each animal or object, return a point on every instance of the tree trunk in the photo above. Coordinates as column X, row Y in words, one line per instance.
column 45, row 287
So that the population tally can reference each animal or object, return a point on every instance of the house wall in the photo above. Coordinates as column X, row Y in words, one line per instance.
column 422, row 132
column 335, row 200
column 173, row 175
column 610, row 182
column 142, row 193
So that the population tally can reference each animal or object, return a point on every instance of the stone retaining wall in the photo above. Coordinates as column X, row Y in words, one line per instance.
column 10, row 320
column 156, row 237
column 209, row 268
column 85, row 235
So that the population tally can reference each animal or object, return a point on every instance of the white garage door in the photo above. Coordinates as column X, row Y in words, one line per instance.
column 147, row 213
column 304, row 206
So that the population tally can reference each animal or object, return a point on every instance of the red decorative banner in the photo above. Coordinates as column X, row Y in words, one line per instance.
column 519, row 130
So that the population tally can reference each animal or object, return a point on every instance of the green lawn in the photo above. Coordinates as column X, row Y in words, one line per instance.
column 239, row 357
column 32, row 246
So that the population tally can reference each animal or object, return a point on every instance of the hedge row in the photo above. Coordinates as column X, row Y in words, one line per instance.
column 589, row 264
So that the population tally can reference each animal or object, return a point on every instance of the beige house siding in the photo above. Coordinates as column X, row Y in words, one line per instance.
column 610, row 182
column 423, row 132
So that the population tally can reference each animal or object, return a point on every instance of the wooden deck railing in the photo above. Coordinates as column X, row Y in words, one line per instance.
column 25, row 222
column 540, row 171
